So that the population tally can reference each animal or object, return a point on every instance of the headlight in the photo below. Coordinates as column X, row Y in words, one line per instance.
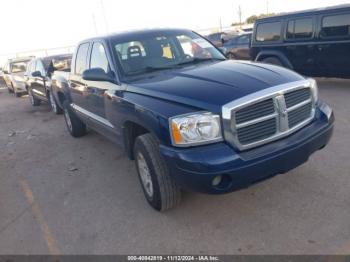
column 195, row 129
column 314, row 89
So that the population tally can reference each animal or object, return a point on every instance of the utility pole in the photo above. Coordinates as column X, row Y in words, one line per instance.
column 267, row 7
column 94, row 22
column 104, row 16
column 240, row 16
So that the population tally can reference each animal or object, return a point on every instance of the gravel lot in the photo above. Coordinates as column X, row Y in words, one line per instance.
column 60, row 195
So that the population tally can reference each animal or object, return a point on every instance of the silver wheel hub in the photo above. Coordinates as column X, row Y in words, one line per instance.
column 31, row 98
column 145, row 174
column 53, row 104
column 68, row 121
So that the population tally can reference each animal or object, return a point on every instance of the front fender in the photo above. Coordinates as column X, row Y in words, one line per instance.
column 149, row 112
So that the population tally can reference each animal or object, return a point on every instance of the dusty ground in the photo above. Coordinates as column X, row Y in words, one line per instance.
column 61, row 195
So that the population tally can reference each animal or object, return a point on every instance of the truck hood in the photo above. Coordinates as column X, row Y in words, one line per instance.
column 211, row 85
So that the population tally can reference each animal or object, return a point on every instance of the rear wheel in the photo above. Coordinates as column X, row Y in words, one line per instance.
column 272, row 61
column 54, row 106
column 75, row 126
column 159, row 187
column 33, row 100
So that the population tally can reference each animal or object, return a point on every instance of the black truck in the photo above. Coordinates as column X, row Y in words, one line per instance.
column 191, row 119
column 313, row 42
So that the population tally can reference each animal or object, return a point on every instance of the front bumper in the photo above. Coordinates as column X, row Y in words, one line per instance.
column 19, row 87
column 195, row 168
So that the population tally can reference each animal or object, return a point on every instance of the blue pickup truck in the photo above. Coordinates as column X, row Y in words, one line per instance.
column 191, row 119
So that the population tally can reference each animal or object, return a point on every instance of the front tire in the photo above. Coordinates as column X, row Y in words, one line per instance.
column 75, row 126
column 159, row 187
column 54, row 106
column 33, row 100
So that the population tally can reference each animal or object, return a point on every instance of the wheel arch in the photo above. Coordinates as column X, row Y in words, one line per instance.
column 277, row 54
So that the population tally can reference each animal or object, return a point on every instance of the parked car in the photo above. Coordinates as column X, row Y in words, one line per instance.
column 190, row 118
column 219, row 38
column 38, row 78
column 238, row 47
column 312, row 42
column 14, row 71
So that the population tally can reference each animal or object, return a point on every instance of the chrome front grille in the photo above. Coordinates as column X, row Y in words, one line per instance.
column 255, row 111
column 250, row 134
column 269, row 114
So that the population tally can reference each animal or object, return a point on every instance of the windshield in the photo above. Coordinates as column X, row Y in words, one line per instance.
column 58, row 63
column 19, row 67
column 160, row 52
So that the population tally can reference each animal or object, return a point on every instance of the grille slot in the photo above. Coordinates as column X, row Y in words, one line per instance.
column 255, row 111
column 254, row 122
column 296, row 97
column 258, row 131
column 299, row 115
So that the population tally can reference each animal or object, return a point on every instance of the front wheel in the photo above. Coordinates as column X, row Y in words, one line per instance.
column 75, row 126
column 33, row 100
column 54, row 106
column 158, row 186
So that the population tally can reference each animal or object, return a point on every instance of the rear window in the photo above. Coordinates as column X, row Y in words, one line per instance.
column 336, row 26
column 269, row 32
column 300, row 28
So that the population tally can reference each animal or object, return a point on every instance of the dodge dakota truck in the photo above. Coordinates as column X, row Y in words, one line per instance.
column 191, row 119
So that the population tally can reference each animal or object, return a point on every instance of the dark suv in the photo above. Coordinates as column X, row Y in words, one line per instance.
column 38, row 78
column 312, row 42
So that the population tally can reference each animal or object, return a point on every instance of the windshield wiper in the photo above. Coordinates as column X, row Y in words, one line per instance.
column 196, row 60
column 150, row 69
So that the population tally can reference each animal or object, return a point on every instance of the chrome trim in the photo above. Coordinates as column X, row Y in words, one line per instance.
column 299, row 105
column 281, row 112
column 92, row 116
column 257, row 120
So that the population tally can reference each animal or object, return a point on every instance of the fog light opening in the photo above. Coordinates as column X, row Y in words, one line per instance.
column 216, row 181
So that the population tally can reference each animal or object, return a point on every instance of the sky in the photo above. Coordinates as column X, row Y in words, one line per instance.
column 38, row 24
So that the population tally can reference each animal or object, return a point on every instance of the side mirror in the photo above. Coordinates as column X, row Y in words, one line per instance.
column 37, row 74
column 97, row 74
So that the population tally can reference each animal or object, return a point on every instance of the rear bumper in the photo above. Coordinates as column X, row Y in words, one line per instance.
column 195, row 168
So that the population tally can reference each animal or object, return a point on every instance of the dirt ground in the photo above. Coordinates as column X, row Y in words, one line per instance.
column 60, row 195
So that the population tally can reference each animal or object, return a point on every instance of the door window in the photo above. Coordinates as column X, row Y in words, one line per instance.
column 80, row 60
column 268, row 32
column 98, row 57
column 336, row 26
column 243, row 40
column 39, row 67
column 300, row 28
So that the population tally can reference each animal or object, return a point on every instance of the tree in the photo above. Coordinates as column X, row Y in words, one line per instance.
column 252, row 19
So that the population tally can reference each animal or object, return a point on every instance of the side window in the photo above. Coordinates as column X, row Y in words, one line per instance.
column 39, row 67
column 32, row 66
column 98, row 57
column 243, row 39
column 80, row 60
column 336, row 26
column 268, row 32
column 300, row 28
